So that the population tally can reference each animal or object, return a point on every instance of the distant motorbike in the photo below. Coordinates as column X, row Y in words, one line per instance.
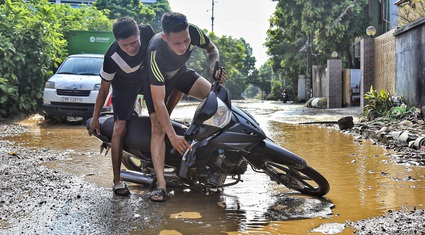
column 285, row 97
column 224, row 140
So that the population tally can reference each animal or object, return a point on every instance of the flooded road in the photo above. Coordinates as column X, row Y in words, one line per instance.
column 364, row 182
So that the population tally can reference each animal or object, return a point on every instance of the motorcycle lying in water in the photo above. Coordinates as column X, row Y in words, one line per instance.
column 224, row 140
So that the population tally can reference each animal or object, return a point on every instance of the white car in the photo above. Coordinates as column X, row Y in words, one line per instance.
column 72, row 90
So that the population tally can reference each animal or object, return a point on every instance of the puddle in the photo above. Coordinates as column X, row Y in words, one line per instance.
column 361, row 177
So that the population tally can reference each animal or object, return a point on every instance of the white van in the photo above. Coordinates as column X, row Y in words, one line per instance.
column 72, row 90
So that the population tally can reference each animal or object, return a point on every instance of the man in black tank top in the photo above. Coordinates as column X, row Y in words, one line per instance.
column 169, row 77
column 124, row 67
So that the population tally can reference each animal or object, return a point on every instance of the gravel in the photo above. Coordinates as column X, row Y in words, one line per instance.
column 35, row 199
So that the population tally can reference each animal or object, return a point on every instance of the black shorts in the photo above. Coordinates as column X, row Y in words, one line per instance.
column 124, row 99
column 182, row 81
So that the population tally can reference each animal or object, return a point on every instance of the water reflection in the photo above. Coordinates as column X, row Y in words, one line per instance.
column 81, row 151
column 363, row 182
column 72, row 137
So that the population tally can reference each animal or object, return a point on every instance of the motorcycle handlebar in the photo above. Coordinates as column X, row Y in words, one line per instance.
column 217, row 76
column 216, row 73
column 174, row 151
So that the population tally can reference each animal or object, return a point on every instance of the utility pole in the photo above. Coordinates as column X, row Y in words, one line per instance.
column 309, row 67
column 212, row 16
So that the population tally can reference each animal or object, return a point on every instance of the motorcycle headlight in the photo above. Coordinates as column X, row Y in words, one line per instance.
column 221, row 118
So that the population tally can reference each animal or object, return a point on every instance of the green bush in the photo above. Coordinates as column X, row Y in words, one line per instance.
column 32, row 43
column 384, row 105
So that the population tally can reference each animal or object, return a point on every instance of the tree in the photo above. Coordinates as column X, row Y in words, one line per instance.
column 346, row 21
column 160, row 7
column 302, row 29
column 235, row 56
column 262, row 79
column 143, row 14
column 32, row 42
column 251, row 91
column 120, row 8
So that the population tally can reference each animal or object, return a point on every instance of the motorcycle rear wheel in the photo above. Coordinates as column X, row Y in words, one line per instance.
column 307, row 180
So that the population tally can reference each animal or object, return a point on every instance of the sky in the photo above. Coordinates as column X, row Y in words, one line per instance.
column 235, row 18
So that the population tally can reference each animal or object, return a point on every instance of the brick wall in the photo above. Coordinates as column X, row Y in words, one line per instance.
column 334, row 92
column 367, row 66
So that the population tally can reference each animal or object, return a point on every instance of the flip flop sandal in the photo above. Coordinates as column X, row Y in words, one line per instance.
column 159, row 192
column 121, row 189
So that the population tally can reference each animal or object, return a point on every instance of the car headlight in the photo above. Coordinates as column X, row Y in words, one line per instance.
column 50, row 84
column 221, row 118
column 96, row 87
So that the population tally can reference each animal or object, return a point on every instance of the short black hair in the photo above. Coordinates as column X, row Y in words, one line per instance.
column 125, row 27
column 174, row 22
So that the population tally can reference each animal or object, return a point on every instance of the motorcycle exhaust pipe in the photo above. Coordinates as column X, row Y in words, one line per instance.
column 136, row 177
column 147, row 179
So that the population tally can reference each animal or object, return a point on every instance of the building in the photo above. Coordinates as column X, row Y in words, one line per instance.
column 383, row 15
column 410, row 11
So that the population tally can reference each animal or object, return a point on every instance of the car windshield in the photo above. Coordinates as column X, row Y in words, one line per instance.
column 81, row 66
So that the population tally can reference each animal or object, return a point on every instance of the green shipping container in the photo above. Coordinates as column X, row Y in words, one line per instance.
column 93, row 42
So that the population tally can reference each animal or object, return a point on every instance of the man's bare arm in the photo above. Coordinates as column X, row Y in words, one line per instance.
column 212, row 54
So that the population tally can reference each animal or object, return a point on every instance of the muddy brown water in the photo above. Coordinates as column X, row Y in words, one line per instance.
column 364, row 181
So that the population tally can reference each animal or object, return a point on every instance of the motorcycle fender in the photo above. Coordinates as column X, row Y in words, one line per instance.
column 271, row 152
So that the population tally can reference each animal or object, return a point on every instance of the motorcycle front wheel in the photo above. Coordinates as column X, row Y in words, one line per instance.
column 306, row 180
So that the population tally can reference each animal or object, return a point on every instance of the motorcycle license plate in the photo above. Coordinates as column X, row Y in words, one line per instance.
column 71, row 100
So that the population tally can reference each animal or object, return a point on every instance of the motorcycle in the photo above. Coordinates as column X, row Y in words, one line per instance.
column 224, row 139
column 285, row 97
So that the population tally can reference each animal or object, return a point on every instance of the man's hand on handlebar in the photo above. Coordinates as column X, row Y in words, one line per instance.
column 94, row 127
column 219, row 73
column 180, row 144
